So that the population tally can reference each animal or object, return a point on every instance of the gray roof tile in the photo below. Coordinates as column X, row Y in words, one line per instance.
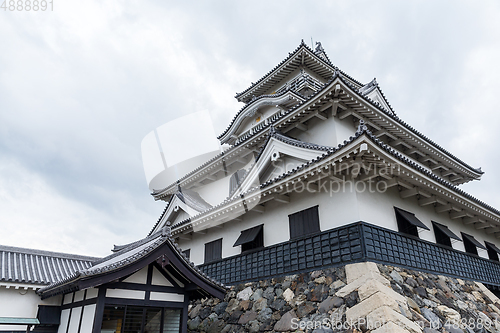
column 20, row 265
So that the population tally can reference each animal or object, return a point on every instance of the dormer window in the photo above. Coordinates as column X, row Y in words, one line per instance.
column 493, row 251
column 444, row 236
column 471, row 244
column 408, row 223
column 250, row 239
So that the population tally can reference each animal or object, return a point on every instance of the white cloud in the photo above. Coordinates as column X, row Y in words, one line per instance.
column 82, row 85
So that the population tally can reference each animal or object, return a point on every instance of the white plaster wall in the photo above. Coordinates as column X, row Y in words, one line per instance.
column 334, row 210
column 88, row 318
column 74, row 320
column 378, row 208
column 138, row 277
column 21, row 303
column 214, row 192
column 329, row 132
column 64, row 321
column 125, row 293
column 92, row 293
column 79, row 295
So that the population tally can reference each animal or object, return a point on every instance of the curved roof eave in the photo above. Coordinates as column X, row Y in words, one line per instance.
column 291, row 55
column 363, row 131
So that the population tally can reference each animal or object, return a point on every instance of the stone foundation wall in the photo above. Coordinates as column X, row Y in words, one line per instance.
column 362, row 297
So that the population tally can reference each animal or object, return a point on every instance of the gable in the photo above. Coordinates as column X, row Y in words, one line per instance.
column 159, row 280
column 378, row 98
column 138, row 277
column 277, row 158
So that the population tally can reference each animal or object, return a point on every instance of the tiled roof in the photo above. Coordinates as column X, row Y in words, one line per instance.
column 190, row 198
column 128, row 256
column 290, row 56
column 361, row 130
column 20, row 265
column 297, row 95
column 272, row 120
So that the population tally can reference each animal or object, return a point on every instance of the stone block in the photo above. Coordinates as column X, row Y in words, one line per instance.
column 361, row 310
column 285, row 323
column 390, row 327
column 373, row 286
column 384, row 314
column 354, row 285
column 355, row 271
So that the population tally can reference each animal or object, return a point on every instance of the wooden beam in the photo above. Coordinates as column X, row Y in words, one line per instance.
column 481, row 225
column 470, row 220
column 408, row 193
column 282, row 198
column 344, row 114
column 427, row 201
column 457, row 215
column 380, row 133
column 448, row 172
column 445, row 208
column 258, row 209
column 301, row 127
column 493, row 230
column 320, row 116
column 391, row 182
column 455, row 178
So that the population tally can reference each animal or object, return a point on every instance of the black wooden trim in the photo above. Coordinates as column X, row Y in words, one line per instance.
column 99, row 310
column 184, row 315
column 149, row 278
column 143, row 287
column 141, row 302
column 81, row 313
column 80, row 303
column 163, row 271
column 70, row 311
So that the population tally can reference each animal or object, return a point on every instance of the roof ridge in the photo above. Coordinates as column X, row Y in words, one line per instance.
column 62, row 255
column 411, row 128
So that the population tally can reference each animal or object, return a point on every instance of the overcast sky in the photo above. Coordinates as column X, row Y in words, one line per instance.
column 80, row 86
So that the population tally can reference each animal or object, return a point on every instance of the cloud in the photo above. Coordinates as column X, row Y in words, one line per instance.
column 81, row 86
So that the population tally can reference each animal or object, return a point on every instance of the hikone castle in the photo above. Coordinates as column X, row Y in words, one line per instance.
column 322, row 203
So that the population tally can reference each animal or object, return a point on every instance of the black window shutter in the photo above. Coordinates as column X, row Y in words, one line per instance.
column 213, row 250
column 304, row 223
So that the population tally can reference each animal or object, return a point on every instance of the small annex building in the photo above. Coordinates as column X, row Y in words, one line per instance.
column 144, row 286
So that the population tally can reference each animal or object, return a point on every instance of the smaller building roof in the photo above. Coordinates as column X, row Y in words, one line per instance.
column 21, row 265
column 134, row 257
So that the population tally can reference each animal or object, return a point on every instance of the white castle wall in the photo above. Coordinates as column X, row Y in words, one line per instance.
column 335, row 210
column 22, row 304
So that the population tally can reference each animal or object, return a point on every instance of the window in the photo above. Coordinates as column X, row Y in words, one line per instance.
column 443, row 234
column 408, row 222
column 471, row 244
column 250, row 239
column 138, row 319
column 213, row 250
column 304, row 223
column 493, row 251
column 187, row 253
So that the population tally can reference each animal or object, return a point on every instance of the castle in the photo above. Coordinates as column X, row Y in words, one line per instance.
column 319, row 171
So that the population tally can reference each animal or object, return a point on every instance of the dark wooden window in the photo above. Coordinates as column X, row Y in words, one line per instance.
column 408, row 223
column 187, row 253
column 471, row 244
column 250, row 239
column 213, row 250
column 304, row 223
column 139, row 319
column 441, row 237
column 443, row 234
column 470, row 247
column 492, row 251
